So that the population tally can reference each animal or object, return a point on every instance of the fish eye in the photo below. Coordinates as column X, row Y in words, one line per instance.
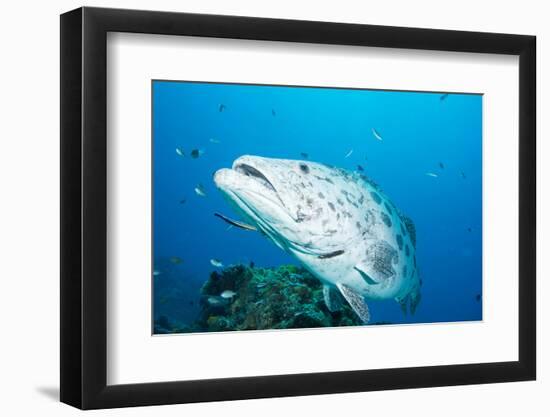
column 304, row 168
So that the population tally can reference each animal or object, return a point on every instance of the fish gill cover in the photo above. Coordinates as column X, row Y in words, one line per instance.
column 382, row 189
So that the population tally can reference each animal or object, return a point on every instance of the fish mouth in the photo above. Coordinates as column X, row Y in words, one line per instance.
column 251, row 167
column 256, row 174
column 253, row 194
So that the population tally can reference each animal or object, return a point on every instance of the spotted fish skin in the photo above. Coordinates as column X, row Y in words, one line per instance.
column 312, row 210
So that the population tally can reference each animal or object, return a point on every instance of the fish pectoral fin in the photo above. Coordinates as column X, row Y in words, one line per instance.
column 368, row 279
column 332, row 298
column 356, row 301
column 378, row 265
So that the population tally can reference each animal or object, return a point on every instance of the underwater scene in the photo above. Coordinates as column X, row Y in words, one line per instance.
column 285, row 207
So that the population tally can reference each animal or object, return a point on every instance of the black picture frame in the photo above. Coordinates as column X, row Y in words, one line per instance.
column 84, row 207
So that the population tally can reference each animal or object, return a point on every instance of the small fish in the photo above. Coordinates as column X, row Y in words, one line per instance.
column 478, row 297
column 222, row 107
column 228, row 294
column 431, row 174
column 443, row 96
column 183, row 201
column 360, row 168
column 217, row 263
column 469, row 229
column 199, row 189
column 180, row 152
column 212, row 140
column 235, row 223
column 176, row 260
column 273, row 112
column 215, row 301
column 195, row 153
column 191, row 303
column 304, row 155
column 349, row 153
column 376, row 134
column 156, row 273
column 441, row 165
column 462, row 175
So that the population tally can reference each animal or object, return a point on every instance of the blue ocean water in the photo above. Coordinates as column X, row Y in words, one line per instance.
column 423, row 133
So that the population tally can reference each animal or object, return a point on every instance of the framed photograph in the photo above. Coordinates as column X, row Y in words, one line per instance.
column 340, row 207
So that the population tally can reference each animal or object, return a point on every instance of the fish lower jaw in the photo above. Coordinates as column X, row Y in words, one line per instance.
column 260, row 196
column 245, row 187
column 247, row 211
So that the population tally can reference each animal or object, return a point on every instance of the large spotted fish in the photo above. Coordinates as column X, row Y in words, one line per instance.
column 337, row 223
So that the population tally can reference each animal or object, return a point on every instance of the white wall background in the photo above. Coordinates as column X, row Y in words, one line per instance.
column 29, row 237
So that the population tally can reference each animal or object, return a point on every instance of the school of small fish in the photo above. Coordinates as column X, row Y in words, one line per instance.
column 196, row 153
column 199, row 189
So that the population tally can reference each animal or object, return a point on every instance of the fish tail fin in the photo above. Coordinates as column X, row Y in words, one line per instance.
column 403, row 304
column 415, row 296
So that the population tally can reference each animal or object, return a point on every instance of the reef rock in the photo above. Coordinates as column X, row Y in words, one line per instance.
column 285, row 297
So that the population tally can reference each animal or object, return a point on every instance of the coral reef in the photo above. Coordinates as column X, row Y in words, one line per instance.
column 249, row 298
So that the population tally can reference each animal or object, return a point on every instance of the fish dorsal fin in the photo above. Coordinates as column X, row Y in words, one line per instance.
column 359, row 268
column 332, row 298
column 368, row 180
column 411, row 228
column 356, row 301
